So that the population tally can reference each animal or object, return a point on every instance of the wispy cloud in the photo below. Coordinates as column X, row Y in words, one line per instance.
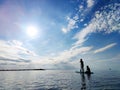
column 105, row 48
column 68, row 54
column 14, row 51
column 13, row 60
column 63, row 56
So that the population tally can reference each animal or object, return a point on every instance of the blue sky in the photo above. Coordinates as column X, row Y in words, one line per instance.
column 57, row 33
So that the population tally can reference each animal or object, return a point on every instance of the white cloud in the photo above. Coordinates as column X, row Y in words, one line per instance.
column 81, row 7
column 104, row 20
column 81, row 20
column 90, row 3
column 105, row 48
column 78, row 17
column 85, row 24
column 62, row 57
column 13, row 51
column 81, row 36
column 68, row 54
column 71, row 24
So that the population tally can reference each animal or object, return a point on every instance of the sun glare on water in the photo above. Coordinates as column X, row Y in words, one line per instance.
column 32, row 31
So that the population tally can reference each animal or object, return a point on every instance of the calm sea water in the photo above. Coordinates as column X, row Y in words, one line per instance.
column 58, row 80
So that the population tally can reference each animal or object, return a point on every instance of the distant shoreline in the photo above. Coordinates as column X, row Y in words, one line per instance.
column 21, row 69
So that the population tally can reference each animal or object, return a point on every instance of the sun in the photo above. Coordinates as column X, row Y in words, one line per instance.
column 32, row 31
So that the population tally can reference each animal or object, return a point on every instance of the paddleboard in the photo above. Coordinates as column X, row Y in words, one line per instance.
column 83, row 72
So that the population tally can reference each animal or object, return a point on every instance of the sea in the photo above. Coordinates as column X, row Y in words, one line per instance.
column 59, row 80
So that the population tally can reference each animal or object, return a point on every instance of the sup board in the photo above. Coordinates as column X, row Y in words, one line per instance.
column 83, row 72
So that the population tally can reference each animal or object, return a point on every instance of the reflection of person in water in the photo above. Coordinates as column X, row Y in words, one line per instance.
column 82, row 65
column 88, row 76
column 88, row 72
column 83, row 82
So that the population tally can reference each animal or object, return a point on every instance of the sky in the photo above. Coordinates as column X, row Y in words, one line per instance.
column 56, row 34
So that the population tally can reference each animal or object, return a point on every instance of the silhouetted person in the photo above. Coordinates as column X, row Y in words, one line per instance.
column 82, row 65
column 88, row 71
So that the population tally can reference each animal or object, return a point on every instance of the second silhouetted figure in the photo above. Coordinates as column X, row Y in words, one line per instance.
column 88, row 70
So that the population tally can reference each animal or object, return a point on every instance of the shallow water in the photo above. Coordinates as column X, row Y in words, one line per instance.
column 58, row 80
